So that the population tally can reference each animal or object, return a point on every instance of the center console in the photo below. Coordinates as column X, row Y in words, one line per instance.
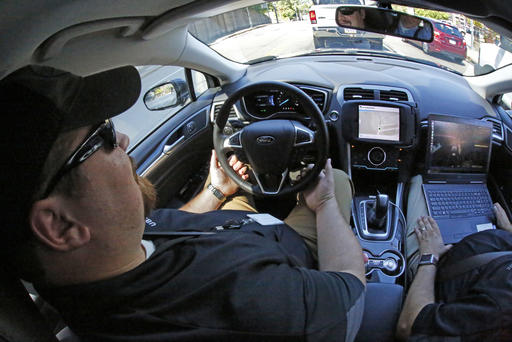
column 379, row 136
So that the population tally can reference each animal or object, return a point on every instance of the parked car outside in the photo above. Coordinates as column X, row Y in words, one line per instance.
column 448, row 41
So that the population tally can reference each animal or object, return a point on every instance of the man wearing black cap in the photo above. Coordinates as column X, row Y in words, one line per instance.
column 74, row 216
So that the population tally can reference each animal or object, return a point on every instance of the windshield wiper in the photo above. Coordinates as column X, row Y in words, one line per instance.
column 377, row 54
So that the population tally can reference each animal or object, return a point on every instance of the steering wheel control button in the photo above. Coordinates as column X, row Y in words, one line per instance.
column 376, row 156
column 234, row 140
column 303, row 135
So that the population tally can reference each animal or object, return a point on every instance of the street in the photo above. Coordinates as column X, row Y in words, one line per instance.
column 394, row 44
column 296, row 37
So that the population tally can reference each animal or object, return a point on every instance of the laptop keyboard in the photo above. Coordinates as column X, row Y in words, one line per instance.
column 459, row 203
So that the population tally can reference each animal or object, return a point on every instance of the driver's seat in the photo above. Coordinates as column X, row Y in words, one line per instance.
column 20, row 319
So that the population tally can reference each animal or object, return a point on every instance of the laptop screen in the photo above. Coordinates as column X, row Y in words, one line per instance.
column 457, row 145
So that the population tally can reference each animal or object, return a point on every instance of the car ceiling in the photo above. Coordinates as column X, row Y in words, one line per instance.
column 86, row 36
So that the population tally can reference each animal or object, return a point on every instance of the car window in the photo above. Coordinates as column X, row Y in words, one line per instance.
column 506, row 43
column 139, row 121
column 506, row 101
column 338, row 2
column 249, row 35
column 200, row 82
column 448, row 29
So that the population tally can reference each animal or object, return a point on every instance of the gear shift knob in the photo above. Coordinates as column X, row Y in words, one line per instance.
column 381, row 206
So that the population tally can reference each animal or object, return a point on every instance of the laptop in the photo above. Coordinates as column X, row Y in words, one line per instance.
column 455, row 183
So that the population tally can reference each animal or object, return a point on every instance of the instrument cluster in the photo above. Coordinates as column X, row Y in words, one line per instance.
column 265, row 104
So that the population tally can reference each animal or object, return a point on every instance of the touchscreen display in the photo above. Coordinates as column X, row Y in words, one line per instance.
column 459, row 147
column 379, row 123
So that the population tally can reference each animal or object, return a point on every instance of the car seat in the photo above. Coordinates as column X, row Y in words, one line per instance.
column 382, row 307
column 20, row 319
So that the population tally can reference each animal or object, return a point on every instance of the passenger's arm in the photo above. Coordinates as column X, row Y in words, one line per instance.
column 206, row 200
column 421, row 292
column 502, row 220
column 338, row 248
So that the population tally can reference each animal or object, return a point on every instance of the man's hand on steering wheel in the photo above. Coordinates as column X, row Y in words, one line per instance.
column 221, row 180
column 320, row 193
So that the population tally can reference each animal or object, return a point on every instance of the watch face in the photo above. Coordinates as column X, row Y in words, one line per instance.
column 428, row 259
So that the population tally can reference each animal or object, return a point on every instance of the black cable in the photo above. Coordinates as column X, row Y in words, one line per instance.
column 404, row 240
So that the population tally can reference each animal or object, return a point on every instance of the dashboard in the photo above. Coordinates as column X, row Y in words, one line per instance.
column 397, row 96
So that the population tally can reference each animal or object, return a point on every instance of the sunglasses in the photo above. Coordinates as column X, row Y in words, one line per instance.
column 102, row 135
column 347, row 11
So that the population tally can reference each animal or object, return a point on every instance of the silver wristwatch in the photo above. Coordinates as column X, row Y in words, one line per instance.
column 216, row 192
column 428, row 259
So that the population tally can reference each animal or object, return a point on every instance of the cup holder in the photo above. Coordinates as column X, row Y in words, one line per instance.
column 389, row 262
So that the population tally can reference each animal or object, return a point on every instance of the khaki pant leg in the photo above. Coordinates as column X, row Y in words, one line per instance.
column 238, row 201
column 416, row 207
column 303, row 220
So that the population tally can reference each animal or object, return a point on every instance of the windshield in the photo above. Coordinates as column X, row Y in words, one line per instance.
column 290, row 28
column 448, row 29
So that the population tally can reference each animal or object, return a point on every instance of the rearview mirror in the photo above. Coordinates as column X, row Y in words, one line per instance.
column 170, row 94
column 384, row 21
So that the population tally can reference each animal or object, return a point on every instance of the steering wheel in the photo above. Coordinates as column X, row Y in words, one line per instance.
column 273, row 147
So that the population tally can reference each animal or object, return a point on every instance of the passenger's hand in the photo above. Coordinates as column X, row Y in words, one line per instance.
column 221, row 180
column 429, row 237
column 502, row 220
column 323, row 191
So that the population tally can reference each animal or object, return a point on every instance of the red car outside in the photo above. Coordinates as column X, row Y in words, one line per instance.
column 447, row 41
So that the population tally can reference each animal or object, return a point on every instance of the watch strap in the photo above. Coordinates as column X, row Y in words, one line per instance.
column 216, row 192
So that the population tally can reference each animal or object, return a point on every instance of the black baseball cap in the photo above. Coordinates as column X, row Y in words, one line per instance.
column 37, row 103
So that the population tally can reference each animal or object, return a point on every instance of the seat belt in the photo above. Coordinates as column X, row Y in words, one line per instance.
column 199, row 231
column 462, row 266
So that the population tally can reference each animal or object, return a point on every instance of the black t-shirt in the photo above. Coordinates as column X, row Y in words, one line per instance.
column 474, row 307
column 243, row 285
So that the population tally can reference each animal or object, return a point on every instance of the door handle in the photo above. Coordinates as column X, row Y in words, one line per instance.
column 165, row 150
column 169, row 147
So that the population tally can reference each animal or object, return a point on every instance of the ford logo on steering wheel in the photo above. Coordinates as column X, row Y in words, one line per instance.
column 265, row 140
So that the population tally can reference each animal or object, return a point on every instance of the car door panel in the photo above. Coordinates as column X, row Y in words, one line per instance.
column 175, row 152
column 503, row 160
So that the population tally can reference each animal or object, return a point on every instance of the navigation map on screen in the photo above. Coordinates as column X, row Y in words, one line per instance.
column 379, row 123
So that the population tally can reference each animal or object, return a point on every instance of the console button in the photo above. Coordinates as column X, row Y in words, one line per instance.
column 376, row 156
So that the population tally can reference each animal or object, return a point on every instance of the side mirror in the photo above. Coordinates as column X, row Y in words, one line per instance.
column 385, row 21
column 167, row 95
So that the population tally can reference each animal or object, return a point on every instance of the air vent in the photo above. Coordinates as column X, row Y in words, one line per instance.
column 216, row 109
column 393, row 95
column 358, row 94
column 497, row 129
column 317, row 96
column 509, row 138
